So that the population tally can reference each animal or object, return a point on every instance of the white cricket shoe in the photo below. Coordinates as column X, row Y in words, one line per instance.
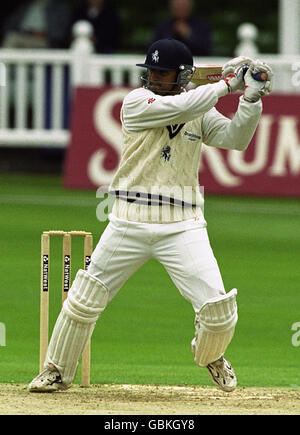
column 222, row 374
column 48, row 381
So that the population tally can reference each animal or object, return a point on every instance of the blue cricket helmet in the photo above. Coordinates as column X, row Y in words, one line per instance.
column 167, row 55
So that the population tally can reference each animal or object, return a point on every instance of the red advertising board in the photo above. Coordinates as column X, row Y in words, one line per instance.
column 270, row 165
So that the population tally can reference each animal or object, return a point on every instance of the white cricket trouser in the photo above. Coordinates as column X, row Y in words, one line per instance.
column 183, row 248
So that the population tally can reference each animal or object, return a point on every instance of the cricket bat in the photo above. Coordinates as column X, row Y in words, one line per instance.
column 208, row 74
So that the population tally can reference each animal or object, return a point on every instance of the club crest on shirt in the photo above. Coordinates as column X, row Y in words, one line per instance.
column 174, row 130
column 166, row 153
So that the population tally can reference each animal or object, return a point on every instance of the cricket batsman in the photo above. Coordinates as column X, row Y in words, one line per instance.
column 158, row 208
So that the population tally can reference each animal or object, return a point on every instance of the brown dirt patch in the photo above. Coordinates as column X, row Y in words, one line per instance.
column 149, row 400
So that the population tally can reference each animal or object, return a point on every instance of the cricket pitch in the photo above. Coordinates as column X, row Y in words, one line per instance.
column 149, row 400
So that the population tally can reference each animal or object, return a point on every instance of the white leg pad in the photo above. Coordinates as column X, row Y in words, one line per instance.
column 215, row 324
column 86, row 300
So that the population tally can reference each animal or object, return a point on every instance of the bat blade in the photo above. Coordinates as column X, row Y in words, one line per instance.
column 206, row 74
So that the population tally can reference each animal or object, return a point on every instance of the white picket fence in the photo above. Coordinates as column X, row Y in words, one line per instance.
column 35, row 102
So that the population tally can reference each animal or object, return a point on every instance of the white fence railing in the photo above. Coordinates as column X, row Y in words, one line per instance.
column 36, row 99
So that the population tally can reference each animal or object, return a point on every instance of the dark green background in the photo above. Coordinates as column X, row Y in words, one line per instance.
column 224, row 18
column 140, row 18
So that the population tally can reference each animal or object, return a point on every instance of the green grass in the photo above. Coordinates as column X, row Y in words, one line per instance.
column 144, row 334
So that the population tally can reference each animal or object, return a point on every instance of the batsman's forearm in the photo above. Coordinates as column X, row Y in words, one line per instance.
column 235, row 134
column 144, row 109
column 244, row 124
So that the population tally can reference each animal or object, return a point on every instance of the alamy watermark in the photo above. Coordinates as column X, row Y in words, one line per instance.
column 296, row 74
column 2, row 334
column 296, row 335
column 155, row 204
column 2, row 74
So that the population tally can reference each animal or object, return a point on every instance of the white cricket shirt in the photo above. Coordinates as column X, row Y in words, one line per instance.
column 157, row 179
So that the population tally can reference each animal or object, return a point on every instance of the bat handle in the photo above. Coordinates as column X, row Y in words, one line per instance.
column 260, row 76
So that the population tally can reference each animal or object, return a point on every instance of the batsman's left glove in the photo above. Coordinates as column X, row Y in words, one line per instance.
column 233, row 73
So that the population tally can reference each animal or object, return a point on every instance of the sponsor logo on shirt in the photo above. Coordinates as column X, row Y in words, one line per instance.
column 191, row 136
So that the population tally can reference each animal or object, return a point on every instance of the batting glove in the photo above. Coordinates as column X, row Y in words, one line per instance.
column 233, row 73
column 255, row 89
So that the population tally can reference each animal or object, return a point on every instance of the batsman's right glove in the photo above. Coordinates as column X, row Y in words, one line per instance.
column 255, row 89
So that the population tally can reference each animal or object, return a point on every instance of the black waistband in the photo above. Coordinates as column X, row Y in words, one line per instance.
column 151, row 199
